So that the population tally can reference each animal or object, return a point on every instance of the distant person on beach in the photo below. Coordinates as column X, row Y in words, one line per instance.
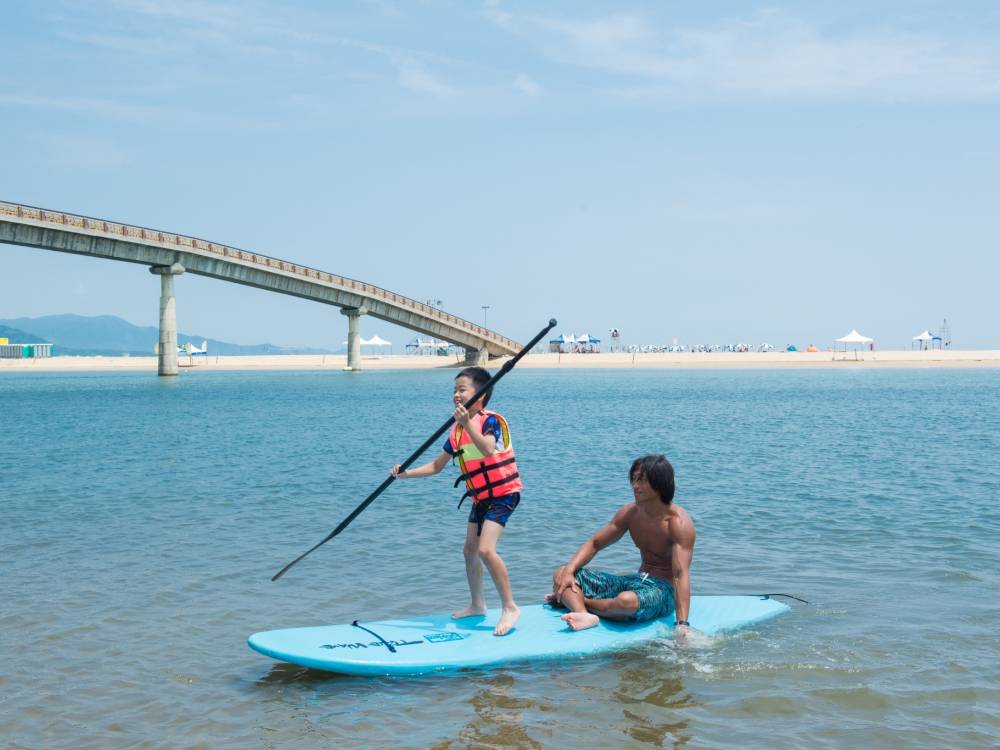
column 664, row 535
column 480, row 443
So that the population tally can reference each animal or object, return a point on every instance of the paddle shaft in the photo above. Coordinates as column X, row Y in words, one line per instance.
column 507, row 367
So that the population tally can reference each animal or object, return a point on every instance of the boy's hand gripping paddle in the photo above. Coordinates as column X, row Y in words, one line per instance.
column 507, row 367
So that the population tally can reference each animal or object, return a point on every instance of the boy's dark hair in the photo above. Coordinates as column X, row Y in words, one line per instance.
column 658, row 472
column 479, row 377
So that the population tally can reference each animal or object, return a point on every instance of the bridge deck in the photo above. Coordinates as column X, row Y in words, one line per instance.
column 84, row 235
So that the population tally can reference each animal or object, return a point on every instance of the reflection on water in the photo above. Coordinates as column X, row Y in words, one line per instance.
column 654, row 705
column 282, row 673
column 498, row 719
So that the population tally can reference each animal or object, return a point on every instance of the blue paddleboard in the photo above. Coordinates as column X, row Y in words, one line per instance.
column 432, row 643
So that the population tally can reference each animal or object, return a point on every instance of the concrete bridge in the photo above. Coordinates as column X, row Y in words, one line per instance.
column 169, row 255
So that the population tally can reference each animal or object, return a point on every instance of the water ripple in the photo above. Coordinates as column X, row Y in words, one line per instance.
column 143, row 520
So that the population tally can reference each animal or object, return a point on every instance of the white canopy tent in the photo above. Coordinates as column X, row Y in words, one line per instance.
column 855, row 340
column 376, row 340
column 926, row 340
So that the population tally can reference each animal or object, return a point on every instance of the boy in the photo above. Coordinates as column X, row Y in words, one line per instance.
column 480, row 441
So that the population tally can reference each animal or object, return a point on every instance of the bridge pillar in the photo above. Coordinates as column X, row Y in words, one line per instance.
column 353, row 339
column 477, row 357
column 168, row 318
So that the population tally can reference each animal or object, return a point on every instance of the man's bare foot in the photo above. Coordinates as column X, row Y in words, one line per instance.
column 507, row 619
column 581, row 620
column 470, row 611
column 551, row 600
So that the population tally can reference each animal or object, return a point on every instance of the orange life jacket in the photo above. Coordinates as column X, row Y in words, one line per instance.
column 485, row 476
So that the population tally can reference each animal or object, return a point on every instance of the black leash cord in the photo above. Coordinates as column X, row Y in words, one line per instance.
column 383, row 641
column 788, row 595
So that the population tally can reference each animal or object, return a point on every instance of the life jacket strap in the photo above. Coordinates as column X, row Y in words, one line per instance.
column 482, row 508
column 488, row 487
column 483, row 469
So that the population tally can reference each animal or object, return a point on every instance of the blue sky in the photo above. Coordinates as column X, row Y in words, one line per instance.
column 716, row 171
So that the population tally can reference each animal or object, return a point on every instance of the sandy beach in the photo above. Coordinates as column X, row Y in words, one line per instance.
column 722, row 360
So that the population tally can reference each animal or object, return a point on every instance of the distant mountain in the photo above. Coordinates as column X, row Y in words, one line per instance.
column 109, row 335
column 17, row 336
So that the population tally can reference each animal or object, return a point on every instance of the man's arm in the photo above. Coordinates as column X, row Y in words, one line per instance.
column 607, row 536
column 682, row 531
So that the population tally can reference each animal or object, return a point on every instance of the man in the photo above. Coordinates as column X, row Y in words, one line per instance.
column 665, row 536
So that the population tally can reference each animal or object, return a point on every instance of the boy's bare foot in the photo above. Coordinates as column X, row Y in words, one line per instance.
column 551, row 600
column 507, row 619
column 470, row 611
column 581, row 620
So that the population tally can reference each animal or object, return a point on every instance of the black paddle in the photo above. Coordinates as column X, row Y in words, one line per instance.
column 507, row 367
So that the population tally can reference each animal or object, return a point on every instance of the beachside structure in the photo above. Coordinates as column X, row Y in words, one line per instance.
column 170, row 255
column 374, row 341
column 427, row 346
column 587, row 343
column 24, row 351
column 855, row 341
column 926, row 340
column 562, row 343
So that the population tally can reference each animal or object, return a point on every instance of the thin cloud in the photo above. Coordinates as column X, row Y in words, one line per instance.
column 221, row 17
column 767, row 55
column 303, row 38
column 84, row 153
column 493, row 11
column 527, row 86
column 415, row 78
column 154, row 29
column 106, row 108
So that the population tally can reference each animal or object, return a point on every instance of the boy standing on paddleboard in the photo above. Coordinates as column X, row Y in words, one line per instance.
column 664, row 535
column 480, row 442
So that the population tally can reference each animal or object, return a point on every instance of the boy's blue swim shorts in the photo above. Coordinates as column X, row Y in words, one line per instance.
column 497, row 510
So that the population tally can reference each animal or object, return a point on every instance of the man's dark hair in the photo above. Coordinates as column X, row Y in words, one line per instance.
column 479, row 378
column 658, row 472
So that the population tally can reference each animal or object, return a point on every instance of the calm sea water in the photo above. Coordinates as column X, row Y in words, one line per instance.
column 142, row 519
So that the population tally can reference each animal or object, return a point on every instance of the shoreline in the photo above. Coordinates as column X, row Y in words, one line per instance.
column 660, row 360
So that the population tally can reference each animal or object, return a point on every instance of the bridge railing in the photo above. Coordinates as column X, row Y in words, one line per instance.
column 185, row 242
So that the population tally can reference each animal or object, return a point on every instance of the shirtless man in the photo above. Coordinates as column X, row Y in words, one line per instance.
column 665, row 536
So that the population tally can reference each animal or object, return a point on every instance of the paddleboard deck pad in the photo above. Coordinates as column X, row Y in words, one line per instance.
column 434, row 643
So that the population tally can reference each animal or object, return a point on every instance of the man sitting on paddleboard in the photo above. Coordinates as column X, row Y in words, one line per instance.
column 665, row 536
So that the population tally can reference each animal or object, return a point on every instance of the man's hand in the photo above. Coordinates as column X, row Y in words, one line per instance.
column 681, row 634
column 562, row 580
